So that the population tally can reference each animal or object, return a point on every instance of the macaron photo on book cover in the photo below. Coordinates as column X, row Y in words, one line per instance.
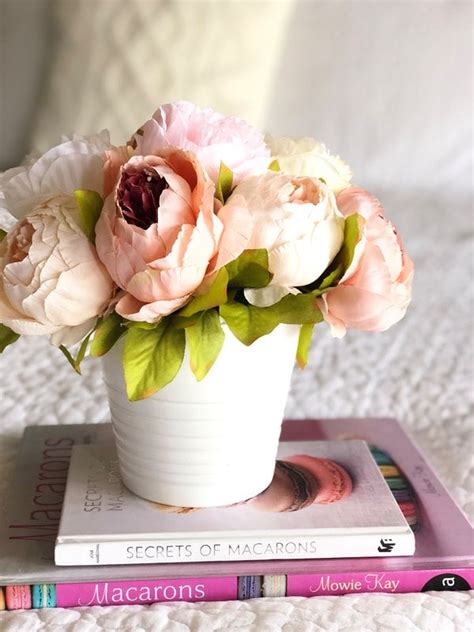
column 327, row 499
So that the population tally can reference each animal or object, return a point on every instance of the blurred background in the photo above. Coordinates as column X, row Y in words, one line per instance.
column 385, row 84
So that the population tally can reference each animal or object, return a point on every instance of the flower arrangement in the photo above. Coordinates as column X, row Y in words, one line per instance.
column 195, row 229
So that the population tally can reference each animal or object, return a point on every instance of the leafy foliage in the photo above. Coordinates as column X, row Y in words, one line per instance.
column 7, row 337
column 274, row 166
column 107, row 332
column 342, row 261
column 152, row 358
column 304, row 343
column 250, row 269
column 248, row 323
column 224, row 183
column 205, row 339
column 76, row 362
column 215, row 296
column 90, row 206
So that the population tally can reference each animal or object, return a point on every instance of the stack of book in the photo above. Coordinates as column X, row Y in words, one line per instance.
column 75, row 536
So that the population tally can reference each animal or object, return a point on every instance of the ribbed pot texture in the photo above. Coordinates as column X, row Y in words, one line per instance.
column 208, row 443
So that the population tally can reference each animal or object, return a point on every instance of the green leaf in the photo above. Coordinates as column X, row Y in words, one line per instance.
column 297, row 309
column 90, row 206
column 304, row 343
column 224, row 183
column 75, row 362
column 152, row 358
column 205, row 339
column 132, row 324
column 352, row 235
column 343, row 259
column 248, row 323
column 3, row 234
column 107, row 332
column 274, row 166
column 182, row 322
column 215, row 296
column 250, row 269
column 82, row 352
column 69, row 357
column 7, row 337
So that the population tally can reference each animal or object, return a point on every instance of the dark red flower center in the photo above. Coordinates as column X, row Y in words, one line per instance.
column 139, row 197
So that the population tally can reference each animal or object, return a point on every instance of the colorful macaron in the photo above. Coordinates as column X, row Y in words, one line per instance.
column 334, row 482
column 43, row 595
column 292, row 488
column 250, row 587
column 18, row 597
column 399, row 486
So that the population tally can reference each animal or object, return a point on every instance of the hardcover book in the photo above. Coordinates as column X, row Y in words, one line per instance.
column 103, row 523
column 443, row 560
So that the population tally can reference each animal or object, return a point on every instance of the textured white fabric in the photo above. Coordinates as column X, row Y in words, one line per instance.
column 386, row 85
column 117, row 60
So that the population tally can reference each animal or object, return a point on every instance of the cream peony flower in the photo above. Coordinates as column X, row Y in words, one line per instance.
column 51, row 280
column 296, row 220
column 307, row 157
column 76, row 163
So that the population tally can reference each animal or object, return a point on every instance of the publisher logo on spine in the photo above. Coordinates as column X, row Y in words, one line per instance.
column 446, row 581
column 386, row 545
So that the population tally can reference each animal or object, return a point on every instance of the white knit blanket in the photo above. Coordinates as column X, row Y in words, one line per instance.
column 420, row 371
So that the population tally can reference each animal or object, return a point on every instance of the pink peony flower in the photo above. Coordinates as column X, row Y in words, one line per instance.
column 51, row 280
column 212, row 137
column 375, row 291
column 158, row 234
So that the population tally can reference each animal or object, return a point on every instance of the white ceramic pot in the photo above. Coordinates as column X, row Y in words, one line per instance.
column 208, row 443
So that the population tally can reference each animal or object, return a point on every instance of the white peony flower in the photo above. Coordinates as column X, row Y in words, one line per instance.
column 307, row 157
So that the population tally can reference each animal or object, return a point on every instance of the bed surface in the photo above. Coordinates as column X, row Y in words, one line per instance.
column 419, row 371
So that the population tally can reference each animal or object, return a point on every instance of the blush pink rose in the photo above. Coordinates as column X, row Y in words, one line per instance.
column 212, row 137
column 158, row 235
column 375, row 291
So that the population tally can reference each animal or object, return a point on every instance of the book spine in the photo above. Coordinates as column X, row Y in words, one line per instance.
column 382, row 581
column 71, row 595
column 73, row 553
column 146, row 592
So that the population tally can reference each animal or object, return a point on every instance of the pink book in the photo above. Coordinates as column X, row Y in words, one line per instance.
column 444, row 557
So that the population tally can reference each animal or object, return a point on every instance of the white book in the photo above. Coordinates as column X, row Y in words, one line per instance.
column 103, row 523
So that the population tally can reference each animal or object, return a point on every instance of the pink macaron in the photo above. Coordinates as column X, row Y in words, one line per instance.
column 293, row 488
column 334, row 481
